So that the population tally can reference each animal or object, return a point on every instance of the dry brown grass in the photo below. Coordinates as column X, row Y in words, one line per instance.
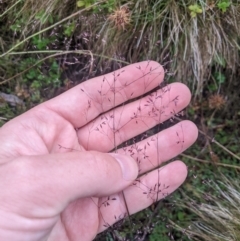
column 218, row 219
column 157, row 30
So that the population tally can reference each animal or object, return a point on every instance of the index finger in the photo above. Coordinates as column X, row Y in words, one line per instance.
column 89, row 99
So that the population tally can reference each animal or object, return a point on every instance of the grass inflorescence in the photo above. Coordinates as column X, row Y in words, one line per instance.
column 48, row 46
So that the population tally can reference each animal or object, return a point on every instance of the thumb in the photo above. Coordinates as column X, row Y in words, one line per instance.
column 64, row 177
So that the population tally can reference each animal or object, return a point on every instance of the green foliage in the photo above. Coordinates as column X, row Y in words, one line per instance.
column 6, row 111
column 17, row 26
column 45, row 75
column 39, row 80
column 40, row 43
column 43, row 17
column 105, row 6
column 220, row 77
column 220, row 60
column 69, row 29
column 224, row 5
column 85, row 3
column 159, row 233
column 194, row 10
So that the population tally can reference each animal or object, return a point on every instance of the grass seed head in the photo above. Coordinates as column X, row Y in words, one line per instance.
column 120, row 17
column 216, row 101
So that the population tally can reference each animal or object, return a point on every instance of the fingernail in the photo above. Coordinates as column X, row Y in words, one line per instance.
column 128, row 165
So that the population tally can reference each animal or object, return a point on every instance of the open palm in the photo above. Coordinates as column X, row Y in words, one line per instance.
column 58, row 181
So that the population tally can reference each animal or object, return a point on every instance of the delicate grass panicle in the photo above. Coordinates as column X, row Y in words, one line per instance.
column 147, row 112
column 47, row 46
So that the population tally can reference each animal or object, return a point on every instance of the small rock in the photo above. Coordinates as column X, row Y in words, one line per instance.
column 13, row 100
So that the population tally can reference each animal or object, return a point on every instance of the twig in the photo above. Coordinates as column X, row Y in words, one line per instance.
column 3, row 118
column 55, row 54
column 205, row 161
column 10, row 8
column 216, row 142
column 220, row 145
column 225, row 149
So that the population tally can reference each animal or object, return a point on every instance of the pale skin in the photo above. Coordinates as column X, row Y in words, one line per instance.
column 55, row 169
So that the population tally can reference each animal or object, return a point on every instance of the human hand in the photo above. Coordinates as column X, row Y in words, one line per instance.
column 57, row 181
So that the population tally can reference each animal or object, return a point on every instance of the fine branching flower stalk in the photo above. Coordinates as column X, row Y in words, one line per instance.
column 148, row 111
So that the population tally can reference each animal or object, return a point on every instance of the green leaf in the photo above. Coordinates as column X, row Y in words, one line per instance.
column 220, row 78
column 223, row 6
column 88, row 5
column 69, row 29
column 50, row 19
column 194, row 9
column 191, row 8
column 193, row 14
column 181, row 215
column 80, row 4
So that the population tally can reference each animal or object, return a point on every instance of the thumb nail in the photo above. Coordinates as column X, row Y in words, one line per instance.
column 128, row 165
